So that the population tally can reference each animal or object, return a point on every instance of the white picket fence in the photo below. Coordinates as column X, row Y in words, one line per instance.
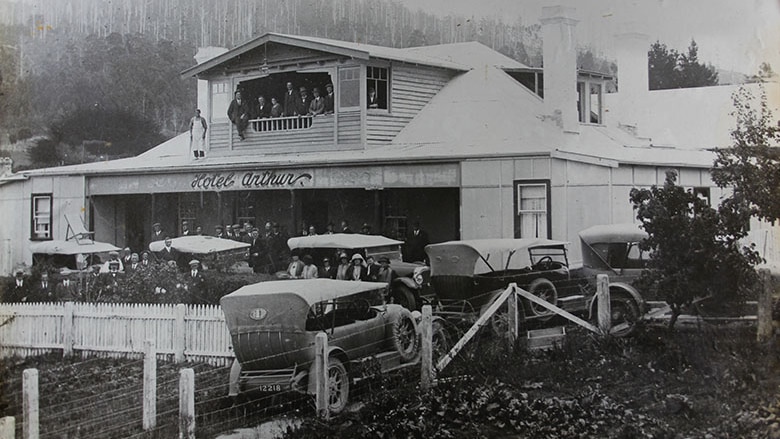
column 180, row 332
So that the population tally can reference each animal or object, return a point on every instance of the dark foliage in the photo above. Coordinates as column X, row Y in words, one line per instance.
column 110, row 131
column 695, row 249
column 752, row 165
column 44, row 152
column 669, row 68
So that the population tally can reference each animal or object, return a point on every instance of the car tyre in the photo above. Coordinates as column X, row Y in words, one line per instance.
column 403, row 296
column 404, row 336
column 338, row 386
column 544, row 289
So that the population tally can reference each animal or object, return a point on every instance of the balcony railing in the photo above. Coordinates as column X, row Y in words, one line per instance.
column 290, row 123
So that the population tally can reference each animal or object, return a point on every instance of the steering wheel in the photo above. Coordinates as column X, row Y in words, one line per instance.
column 545, row 263
column 358, row 308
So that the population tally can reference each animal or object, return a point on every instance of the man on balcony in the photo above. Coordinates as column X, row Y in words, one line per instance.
column 291, row 99
column 304, row 101
column 238, row 113
column 317, row 105
column 262, row 109
column 329, row 99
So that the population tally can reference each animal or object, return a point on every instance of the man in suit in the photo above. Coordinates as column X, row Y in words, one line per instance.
column 345, row 227
column 185, row 228
column 327, row 271
column 228, row 231
column 304, row 101
column 219, row 231
column 415, row 244
column 238, row 113
column 146, row 262
column 195, row 278
column 126, row 253
column 257, row 251
column 168, row 253
column 291, row 99
column 133, row 265
column 330, row 99
column 157, row 232
column 67, row 289
column 19, row 289
column 317, row 105
column 373, row 100
column 372, row 269
column 385, row 273
column 262, row 109
column 44, row 289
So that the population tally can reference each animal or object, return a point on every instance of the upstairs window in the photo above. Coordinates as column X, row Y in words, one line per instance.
column 349, row 88
column 589, row 102
column 221, row 95
column 41, row 217
column 377, row 87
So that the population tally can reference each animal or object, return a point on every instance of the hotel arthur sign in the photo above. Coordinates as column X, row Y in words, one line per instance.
column 249, row 180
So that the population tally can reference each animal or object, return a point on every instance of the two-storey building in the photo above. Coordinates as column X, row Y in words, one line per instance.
column 466, row 141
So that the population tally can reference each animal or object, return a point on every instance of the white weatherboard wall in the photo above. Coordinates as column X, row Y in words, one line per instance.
column 16, row 215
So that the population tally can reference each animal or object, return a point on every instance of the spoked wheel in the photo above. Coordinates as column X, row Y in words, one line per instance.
column 440, row 340
column 338, row 385
column 543, row 289
column 624, row 310
column 405, row 336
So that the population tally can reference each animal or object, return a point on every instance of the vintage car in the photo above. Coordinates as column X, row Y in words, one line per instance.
column 212, row 252
column 466, row 276
column 405, row 290
column 72, row 254
column 273, row 327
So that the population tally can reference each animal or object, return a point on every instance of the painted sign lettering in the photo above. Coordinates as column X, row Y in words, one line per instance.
column 249, row 180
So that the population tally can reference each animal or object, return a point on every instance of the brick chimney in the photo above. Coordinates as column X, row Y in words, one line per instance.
column 204, row 54
column 559, row 51
column 631, row 46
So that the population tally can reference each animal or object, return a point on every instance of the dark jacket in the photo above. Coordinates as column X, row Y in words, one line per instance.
column 262, row 112
column 236, row 110
column 291, row 99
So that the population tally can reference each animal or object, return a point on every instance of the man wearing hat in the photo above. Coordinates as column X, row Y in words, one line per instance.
column 168, row 253
column 195, row 278
column 385, row 273
column 185, row 228
column 219, row 231
column 329, row 99
column 67, row 288
column 237, row 233
column 358, row 269
column 126, row 253
column 257, row 251
column 366, row 229
column 157, row 232
column 327, row 271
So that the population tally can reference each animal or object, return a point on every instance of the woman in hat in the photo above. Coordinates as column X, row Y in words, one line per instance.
column 358, row 269
column 341, row 271
column 309, row 269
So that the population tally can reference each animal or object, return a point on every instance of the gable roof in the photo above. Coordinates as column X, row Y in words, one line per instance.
column 344, row 48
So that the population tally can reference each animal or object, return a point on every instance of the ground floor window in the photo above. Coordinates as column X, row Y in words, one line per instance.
column 41, row 217
column 532, row 209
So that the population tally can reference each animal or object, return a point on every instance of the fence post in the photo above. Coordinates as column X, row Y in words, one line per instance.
column 187, row 404
column 604, row 307
column 150, row 385
column 8, row 427
column 30, row 404
column 426, row 360
column 511, row 332
column 179, row 327
column 764, row 332
column 67, row 330
column 321, row 374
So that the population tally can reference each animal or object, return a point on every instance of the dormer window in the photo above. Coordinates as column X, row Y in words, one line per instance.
column 589, row 101
column 377, row 87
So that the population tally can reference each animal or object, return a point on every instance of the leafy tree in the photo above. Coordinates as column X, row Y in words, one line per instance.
column 752, row 165
column 44, row 153
column 670, row 69
column 694, row 248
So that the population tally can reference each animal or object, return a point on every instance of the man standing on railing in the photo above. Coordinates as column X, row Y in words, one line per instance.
column 291, row 99
column 238, row 113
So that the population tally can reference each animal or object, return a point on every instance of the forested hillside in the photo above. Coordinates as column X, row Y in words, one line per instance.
column 60, row 58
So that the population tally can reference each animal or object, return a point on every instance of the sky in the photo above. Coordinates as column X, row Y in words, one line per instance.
column 733, row 35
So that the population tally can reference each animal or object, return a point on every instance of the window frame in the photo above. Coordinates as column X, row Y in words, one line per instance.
column 517, row 184
column 342, row 88
column 584, row 100
column 388, row 86
column 34, row 217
